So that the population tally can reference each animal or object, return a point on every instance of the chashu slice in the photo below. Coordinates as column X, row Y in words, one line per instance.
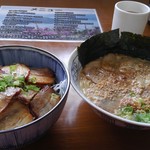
column 6, row 97
column 26, row 97
column 17, row 70
column 41, row 76
column 44, row 101
column 16, row 114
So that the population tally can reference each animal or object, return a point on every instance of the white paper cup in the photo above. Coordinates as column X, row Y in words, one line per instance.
column 130, row 16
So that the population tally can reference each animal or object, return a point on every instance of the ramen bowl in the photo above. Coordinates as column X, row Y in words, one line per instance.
column 74, row 69
column 36, row 58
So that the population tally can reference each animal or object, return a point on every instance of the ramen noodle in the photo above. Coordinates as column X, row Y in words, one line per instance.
column 119, row 84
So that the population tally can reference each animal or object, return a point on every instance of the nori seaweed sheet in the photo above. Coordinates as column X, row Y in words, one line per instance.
column 112, row 42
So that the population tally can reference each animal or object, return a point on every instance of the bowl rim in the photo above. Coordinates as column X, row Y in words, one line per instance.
column 97, row 108
column 42, row 51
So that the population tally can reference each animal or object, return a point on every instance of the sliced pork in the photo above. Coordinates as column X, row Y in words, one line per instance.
column 16, row 70
column 44, row 101
column 6, row 97
column 25, row 94
column 16, row 115
column 41, row 76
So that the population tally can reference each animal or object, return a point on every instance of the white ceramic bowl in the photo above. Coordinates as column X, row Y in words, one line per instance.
column 74, row 69
column 34, row 57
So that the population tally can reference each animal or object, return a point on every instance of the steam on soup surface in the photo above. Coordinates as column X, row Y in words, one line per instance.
column 119, row 84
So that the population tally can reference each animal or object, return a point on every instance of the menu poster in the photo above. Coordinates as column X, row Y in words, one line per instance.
column 52, row 24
